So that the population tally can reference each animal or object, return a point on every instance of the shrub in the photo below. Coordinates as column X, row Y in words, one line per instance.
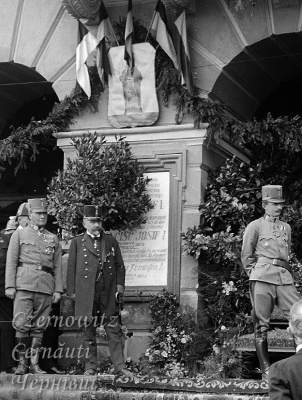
column 103, row 174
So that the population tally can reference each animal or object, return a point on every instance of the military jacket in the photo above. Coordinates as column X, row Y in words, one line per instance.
column 85, row 263
column 263, row 238
column 30, row 248
column 4, row 241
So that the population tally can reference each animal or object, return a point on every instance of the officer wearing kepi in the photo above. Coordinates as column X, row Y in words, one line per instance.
column 34, row 280
column 96, row 278
column 265, row 255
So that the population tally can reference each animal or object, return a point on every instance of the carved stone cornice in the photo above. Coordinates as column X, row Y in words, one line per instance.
column 83, row 9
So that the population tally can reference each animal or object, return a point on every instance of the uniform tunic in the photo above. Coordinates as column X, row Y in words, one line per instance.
column 28, row 249
column 263, row 238
column 270, row 284
column 84, row 264
column 95, row 268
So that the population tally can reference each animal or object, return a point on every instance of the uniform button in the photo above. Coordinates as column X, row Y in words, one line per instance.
column 86, row 269
column 85, row 249
column 110, row 267
column 86, row 276
column 283, row 270
column 85, row 255
column 86, row 262
column 111, row 273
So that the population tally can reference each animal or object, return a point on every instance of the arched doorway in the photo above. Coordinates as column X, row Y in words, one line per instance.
column 265, row 77
column 24, row 94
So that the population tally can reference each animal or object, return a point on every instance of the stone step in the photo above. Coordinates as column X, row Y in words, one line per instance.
column 108, row 387
column 278, row 340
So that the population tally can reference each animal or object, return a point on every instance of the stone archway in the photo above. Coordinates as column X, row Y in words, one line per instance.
column 242, row 57
column 41, row 35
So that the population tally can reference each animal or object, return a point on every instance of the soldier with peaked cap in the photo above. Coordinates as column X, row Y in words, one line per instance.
column 265, row 258
column 33, row 280
column 22, row 216
column 96, row 277
column 11, row 225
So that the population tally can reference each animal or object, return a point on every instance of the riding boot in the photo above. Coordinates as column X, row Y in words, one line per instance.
column 34, row 356
column 22, row 348
column 263, row 356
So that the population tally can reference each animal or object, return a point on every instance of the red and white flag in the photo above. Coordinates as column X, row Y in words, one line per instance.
column 160, row 31
column 104, row 30
column 182, row 50
column 87, row 43
column 128, row 55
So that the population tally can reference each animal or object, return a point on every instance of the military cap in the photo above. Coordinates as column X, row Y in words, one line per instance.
column 272, row 193
column 22, row 210
column 37, row 205
column 11, row 224
column 93, row 212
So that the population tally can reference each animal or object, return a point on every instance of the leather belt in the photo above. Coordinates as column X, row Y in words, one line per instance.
column 275, row 261
column 38, row 267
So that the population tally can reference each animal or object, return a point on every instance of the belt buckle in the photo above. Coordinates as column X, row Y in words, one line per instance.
column 275, row 261
column 40, row 267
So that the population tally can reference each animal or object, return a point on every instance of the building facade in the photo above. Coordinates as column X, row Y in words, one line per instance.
column 240, row 57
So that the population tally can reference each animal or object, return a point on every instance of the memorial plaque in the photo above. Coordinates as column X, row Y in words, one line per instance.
column 145, row 250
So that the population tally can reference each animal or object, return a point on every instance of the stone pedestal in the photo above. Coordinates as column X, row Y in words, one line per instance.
column 184, row 153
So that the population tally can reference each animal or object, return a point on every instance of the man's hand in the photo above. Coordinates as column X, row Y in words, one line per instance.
column 119, row 293
column 56, row 297
column 120, row 290
column 10, row 293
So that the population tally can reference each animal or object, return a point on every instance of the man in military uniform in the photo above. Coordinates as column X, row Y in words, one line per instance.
column 11, row 226
column 7, row 333
column 34, row 280
column 96, row 278
column 22, row 216
column 265, row 256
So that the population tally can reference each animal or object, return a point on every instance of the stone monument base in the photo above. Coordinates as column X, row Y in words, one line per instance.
column 83, row 387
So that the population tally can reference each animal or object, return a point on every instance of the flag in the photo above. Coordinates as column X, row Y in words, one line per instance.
column 128, row 56
column 160, row 31
column 87, row 43
column 103, row 32
column 182, row 50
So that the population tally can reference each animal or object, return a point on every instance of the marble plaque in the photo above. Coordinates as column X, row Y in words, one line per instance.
column 145, row 250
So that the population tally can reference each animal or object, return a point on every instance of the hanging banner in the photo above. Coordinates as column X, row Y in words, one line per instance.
column 132, row 93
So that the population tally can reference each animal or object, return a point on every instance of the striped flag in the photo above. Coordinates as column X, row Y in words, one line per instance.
column 128, row 55
column 182, row 50
column 160, row 31
column 87, row 43
column 103, row 32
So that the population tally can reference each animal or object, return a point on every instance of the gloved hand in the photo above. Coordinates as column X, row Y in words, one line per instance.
column 120, row 289
column 119, row 293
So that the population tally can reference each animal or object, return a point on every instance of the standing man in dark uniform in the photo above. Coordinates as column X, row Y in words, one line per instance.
column 7, row 333
column 96, row 278
column 265, row 255
column 34, row 280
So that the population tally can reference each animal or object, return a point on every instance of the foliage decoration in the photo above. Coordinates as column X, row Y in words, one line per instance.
column 177, row 346
column 26, row 142
column 103, row 174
